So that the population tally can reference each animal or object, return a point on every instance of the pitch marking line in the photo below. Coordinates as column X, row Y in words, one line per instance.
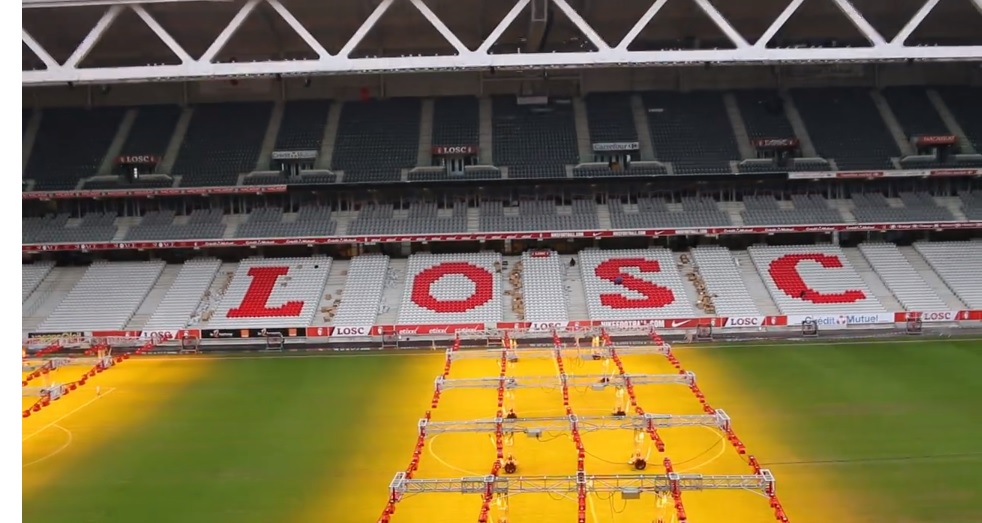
column 68, row 414
column 59, row 450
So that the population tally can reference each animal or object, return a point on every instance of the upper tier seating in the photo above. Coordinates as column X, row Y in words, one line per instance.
column 964, row 105
column 452, row 288
column 181, row 301
column 159, row 225
column 25, row 119
column 972, row 205
column 910, row 289
column 813, row 279
column 93, row 227
column 610, row 118
column 654, row 213
column 692, row 131
column 633, row 284
column 152, row 130
column 539, row 215
column 456, row 121
column 419, row 218
column 763, row 114
column 917, row 207
column 534, row 141
column 914, row 112
column 273, row 292
column 957, row 265
column 601, row 170
column 106, row 297
column 807, row 210
column 867, row 143
column 363, row 289
column 222, row 142
column 719, row 271
column 32, row 275
column 543, row 289
column 70, row 145
column 377, row 139
column 271, row 222
column 302, row 127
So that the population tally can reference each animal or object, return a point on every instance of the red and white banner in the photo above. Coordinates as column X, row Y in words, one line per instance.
column 907, row 173
column 148, row 193
column 842, row 321
column 451, row 150
column 350, row 331
column 531, row 235
column 931, row 316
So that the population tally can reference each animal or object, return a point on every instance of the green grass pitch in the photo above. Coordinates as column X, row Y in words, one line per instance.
column 891, row 429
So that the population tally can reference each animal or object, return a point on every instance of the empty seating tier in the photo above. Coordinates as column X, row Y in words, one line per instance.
column 377, row 139
column 913, row 293
column 543, row 288
column 914, row 112
column 31, row 277
column 654, row 213
column 182, row 298
column 362, row 295
column 70, row 145
column 806, row 210
column 633, row 284
column 964, row 105
column 273, row 293
column 152, row 131
column 827, row 113
column 534, row 141
column 692, row 131
column 456, row 121
column 419, row 218
column 957, row 263
column 302, row 126
column 723, row 281
column 106, row 297
column 610, row 118
column 813, row 279
column 162, row 225
column 763, row 114
column 539, row 215
column 222, row 142
column 911, row 207
column 93, row 227
column 452, row 288
column 272, row 222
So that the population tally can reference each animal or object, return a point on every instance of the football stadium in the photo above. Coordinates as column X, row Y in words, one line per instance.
column 517, row 261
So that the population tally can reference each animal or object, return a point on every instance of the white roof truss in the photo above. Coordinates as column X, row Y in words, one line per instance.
column 746, row 53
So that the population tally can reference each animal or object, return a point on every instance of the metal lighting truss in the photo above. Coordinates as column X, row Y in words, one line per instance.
column 466, row 59
column 537, row 426
column 550, row 353
column 572, row 381
column 401, row 486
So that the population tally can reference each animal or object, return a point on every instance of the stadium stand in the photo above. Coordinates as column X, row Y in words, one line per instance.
column 876, row 208
column 106, row 297
column 538, row 215
column 418, row 218
column 971, row 205
column 452, row 288
column 222, row 142
column 376, row 140
column 826, row 112
column 692, row 131
column 653, row 212
column 70, row 146
column 302, row 127
column 914, row 112
column 913, row 293
column 456, row 121
column 803, row 210
column 544, row 290
column 963, row 101
column 150, row 134
column 92, row 227
column 185, row 293
column 266, row 291
column 717, row 268
column 633, row 284
column 950, row 261
column 534, row 141
column 163, row 225
column 610, row 118
column 813, row 279
column 32, row 275
column 272, row 222
column 362, row 294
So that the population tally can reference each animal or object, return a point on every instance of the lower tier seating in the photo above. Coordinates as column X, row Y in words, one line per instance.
column 633, row 284
column 452, row 288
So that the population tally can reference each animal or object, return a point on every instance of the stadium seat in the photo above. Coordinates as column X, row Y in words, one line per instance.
column 539, row 215
column 70, row 145
column 302, row 126
column 718, row 270
column 418, row 218
column 544, row 291
column 910, row 289
column 950, row 260
column 182, row 297
column 222, row 142
column 692, row 131
column 363, row 289
column 534, row 141
column 452, row 288
column 610, row 118
column 377, row 139
column 633, row 284
column 32, row 275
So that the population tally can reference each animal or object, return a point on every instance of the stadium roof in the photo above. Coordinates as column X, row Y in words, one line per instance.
column 108, row 41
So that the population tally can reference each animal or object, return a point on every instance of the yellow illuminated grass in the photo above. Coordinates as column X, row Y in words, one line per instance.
column 73, row 427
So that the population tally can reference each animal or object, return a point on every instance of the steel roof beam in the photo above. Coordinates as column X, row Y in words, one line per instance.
column 51, row 4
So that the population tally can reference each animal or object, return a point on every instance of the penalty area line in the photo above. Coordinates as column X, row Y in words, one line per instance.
column 68, row 414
